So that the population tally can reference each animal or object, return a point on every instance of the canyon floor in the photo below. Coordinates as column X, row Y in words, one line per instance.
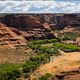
column 67, row 62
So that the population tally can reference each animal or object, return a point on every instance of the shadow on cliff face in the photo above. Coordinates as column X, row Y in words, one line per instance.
column 21, row 22
column 72, row 75
column 29, row 25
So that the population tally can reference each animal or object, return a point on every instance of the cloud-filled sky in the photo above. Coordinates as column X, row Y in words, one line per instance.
column 39, row 6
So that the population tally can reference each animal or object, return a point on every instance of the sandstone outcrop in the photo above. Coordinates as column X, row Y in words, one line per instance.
column 8, row 37
column 28, row 27
column 78, row 41
column 22, row 22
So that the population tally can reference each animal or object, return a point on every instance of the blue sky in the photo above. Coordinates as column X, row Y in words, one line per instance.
column 39, row 6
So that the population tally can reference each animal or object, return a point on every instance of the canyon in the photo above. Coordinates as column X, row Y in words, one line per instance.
column 18, row 30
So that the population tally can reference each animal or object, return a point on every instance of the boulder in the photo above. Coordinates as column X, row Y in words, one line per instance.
column 78, row 41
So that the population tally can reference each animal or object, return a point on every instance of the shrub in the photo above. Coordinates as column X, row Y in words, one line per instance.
column 29, row 66
column 44, row 49
column 10, row 75
column 16, row 73
column 38, row 58
column 44, row 41
column 26, row 75
column 66, row 47
column 52, row 51
column 68, row 36
column 45, row 77
column 34, row 62
column 34, row 46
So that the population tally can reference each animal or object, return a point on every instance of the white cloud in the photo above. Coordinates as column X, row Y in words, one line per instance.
column 40, row 6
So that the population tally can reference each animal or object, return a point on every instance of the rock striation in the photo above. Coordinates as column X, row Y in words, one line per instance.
column 8, row 37
column 18, row 29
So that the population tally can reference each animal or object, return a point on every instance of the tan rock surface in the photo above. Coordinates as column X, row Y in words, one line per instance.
column 78, row 41
column 8, row 37
column 65, row 63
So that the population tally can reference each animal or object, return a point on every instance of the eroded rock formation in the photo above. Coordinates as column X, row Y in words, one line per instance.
column 8, row 37
column 19, row 29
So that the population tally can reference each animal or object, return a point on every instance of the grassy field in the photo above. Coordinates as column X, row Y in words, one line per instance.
column 9, row 66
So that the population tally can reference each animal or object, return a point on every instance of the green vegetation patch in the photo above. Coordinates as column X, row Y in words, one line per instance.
column 66, row 47
column 45, row 41
column 10, row 71
column 10, row 66
column 39, row 48
column 68, row 36
column 34, row 62
column 45, row 77
column 10, row 75
column 43, row 55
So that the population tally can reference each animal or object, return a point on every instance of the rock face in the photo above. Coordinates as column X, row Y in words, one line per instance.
column 8, row 37
column 78, row 41
column 18, row 29
column 36, row 26
column 22, row 22
column 71, row 75
column 27, row 26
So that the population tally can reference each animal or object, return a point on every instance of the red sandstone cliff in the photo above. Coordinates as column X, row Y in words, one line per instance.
column 17, row 30
column 8, row 37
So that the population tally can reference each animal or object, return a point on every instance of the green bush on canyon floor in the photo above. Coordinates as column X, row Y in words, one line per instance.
column 45, row 41
column 10, row 75
column 68, row 36
column 66, row 47
column 45, row 77
column 43, row 49
column 34, row 62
